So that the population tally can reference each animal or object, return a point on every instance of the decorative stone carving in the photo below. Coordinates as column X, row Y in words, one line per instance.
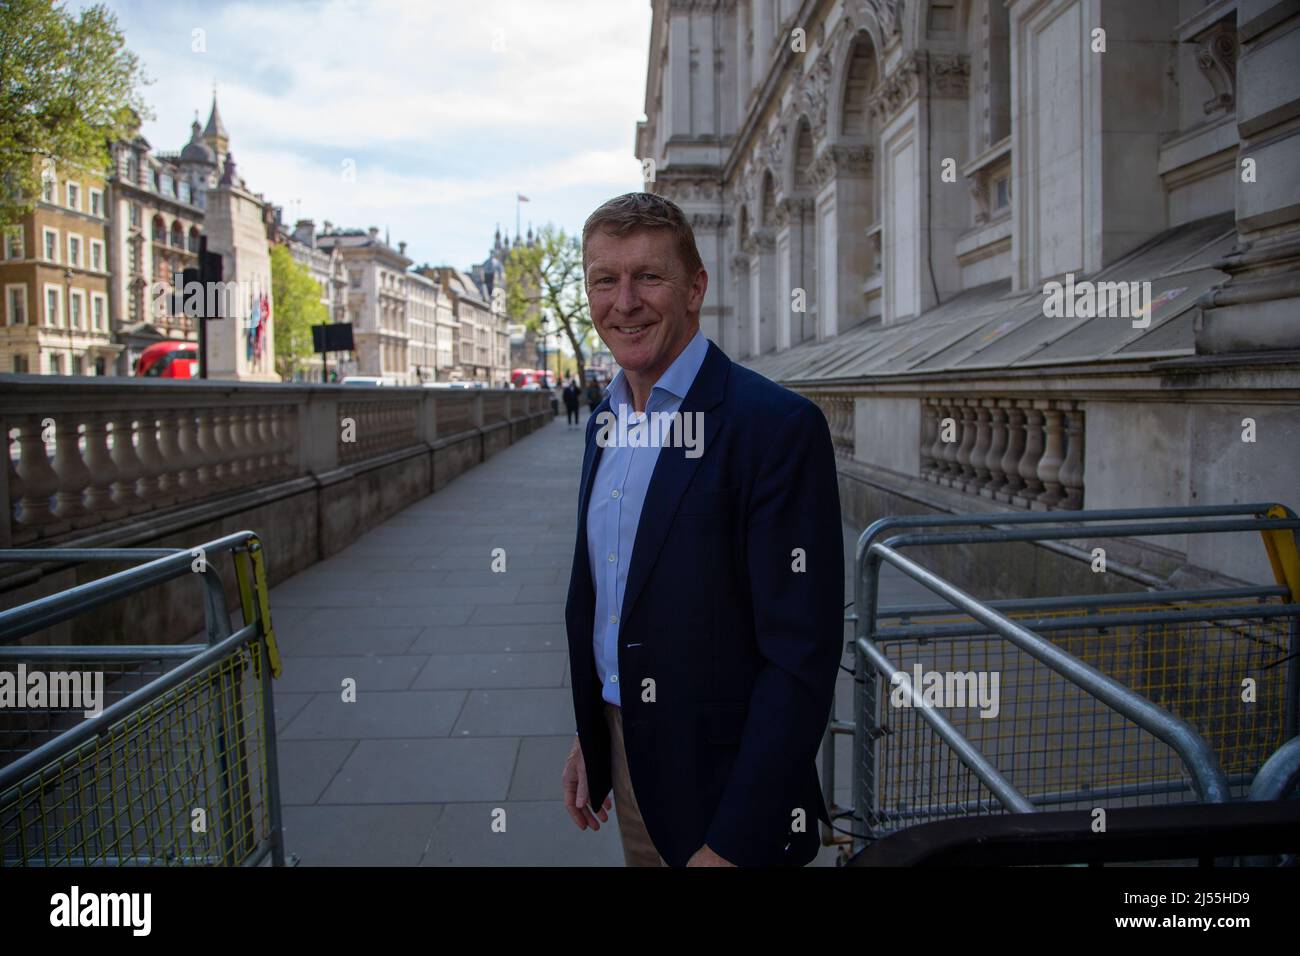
column 775, row 146
column 841, row 160
column 948, row 76
column 889, row 13
column 792, row 208
column 813, row 94
column 759, row 241
column 1216, row 58
column 896, row 90
column 708, row 220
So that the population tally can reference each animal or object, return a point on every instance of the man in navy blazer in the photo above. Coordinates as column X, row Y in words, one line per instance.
column 707, row 684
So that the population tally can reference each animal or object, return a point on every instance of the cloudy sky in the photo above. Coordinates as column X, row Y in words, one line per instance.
column 445, row 109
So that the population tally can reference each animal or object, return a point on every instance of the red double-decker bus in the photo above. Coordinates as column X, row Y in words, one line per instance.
column 176, row 359
column 522, row 377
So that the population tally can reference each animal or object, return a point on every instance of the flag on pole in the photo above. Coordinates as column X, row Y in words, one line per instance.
column 264, row 317
column 251, row 333
column 522, row 198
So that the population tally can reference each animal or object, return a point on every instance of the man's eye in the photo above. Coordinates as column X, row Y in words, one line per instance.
column 650, row 275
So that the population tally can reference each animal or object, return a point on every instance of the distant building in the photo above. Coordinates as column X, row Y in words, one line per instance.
column 481, row 351
column 54, row 275
column 377, row 301
column 422, row 300
column 158, row 203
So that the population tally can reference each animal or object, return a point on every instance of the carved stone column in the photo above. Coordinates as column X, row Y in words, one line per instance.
column 1049, row 466
column 983, row 439
column 127, row 460
column 1015, row 451
column 997, row 447
column 969, row 435
column 39, row 479
column 951, row 476
column 1072, row 466
column 103, row 473
column 73, row 474
column 929, row 428
column 1029, row 461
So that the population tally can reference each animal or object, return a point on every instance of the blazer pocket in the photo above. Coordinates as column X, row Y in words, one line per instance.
column 724, row 721
column 708, row 502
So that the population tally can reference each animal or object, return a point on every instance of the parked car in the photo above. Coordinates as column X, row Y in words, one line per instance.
column 371, row 380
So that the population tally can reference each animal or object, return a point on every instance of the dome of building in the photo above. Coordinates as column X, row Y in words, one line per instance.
column 197, row 151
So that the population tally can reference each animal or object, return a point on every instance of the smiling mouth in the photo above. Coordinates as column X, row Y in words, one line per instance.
column 632, row 330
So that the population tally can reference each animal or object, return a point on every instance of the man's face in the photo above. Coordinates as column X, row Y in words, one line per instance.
column 643, row 303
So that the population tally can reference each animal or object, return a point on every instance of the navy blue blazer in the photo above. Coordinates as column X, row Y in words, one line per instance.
column 742, row 647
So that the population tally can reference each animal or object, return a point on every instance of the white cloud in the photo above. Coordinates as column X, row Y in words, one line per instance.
column 447, row 108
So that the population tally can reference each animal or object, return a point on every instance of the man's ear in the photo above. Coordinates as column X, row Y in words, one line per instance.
column 699, row 286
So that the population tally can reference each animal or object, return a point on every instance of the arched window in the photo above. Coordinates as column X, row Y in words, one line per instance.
column 803, row 158
column 159, row 229
column 193, row 244
column 178, row 235
column 860, row 80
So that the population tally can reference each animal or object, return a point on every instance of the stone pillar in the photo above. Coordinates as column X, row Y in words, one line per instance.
column 234, row 228
column 1256, row 308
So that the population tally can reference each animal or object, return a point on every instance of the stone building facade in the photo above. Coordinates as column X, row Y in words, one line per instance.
column 889, row 194
column 158, row 204
column 55, row 280
column 376, row 301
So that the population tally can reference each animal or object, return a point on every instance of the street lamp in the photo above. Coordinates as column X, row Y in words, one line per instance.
column 67, row 305
column 546, row 377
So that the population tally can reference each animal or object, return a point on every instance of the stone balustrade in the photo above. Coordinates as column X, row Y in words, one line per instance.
column 90, row 452
column 1027, row 453
column 838, row 410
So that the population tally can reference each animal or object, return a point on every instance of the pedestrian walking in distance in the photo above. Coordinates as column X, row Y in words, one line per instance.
column 571, row 396
column 594, row 396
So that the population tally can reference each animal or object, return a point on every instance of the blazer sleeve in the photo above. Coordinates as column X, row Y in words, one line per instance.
column 798, row 608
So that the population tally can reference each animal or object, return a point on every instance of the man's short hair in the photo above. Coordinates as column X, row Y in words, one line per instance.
column 632, row 211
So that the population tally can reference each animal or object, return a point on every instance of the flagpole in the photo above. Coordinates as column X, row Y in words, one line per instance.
column 516, row 212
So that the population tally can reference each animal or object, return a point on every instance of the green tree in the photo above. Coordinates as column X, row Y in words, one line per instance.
column 297, row 308
column 546, row 279
column 68, row 87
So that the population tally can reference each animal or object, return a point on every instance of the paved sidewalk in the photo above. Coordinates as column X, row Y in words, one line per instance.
column 463, row 707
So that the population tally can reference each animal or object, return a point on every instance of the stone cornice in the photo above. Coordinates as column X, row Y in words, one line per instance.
column 948, row 76
column 839, row 159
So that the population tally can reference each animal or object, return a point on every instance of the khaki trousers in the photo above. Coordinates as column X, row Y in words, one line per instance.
column 638, row 849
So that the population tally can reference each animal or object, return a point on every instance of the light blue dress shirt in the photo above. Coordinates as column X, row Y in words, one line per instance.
column 617, row 494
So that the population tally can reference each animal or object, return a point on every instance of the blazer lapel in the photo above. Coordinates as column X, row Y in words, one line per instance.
column 673, row 473
column 590, row 461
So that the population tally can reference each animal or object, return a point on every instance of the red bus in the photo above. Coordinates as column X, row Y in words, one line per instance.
column 528, row 376
column 173, row 359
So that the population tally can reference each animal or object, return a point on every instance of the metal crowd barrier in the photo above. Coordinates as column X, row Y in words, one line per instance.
column 1105, row 701
column 179, row 767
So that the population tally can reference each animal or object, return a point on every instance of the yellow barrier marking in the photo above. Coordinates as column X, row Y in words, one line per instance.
column 1281, row 549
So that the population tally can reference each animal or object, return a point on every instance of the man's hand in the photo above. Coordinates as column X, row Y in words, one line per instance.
column 706, row 857
column 576, row 797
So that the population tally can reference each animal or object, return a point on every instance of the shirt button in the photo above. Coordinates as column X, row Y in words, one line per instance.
column 614, row 493
column 613, row 678
column 613, row 619
column 613, row 557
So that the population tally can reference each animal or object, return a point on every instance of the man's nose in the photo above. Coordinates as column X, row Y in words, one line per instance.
column 627, row 299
